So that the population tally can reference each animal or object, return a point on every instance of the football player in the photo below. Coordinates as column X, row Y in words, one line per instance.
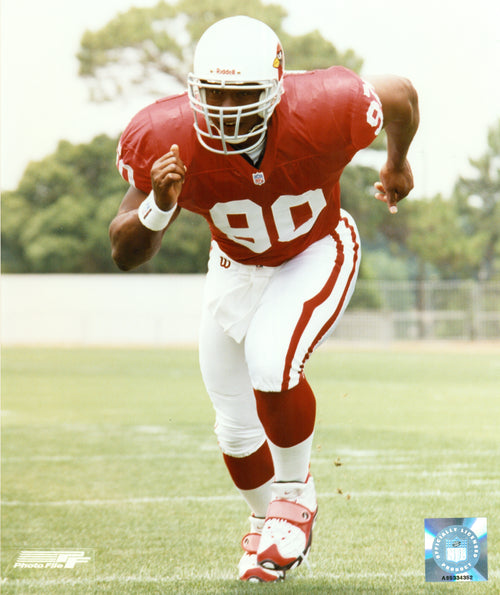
column 258, row 152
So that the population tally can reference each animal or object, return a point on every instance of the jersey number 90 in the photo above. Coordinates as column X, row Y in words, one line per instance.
column 244, row 222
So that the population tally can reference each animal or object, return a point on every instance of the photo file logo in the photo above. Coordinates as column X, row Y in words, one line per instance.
column 40, row 559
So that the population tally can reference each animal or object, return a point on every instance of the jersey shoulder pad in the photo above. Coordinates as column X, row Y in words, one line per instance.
column 343, row 105
column 149, row 135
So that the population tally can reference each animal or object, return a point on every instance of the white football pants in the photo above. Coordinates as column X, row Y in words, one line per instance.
column 260, row 324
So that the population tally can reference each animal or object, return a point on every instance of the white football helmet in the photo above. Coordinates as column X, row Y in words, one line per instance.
column 235, row 52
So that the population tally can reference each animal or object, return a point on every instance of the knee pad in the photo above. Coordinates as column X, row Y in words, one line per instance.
column 236, row 440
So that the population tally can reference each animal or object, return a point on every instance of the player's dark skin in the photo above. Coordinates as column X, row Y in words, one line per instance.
column 133, row 244
column 231, row 98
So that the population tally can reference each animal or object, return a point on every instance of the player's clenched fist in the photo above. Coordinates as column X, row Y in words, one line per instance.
column 167, row 177
column 395, row 184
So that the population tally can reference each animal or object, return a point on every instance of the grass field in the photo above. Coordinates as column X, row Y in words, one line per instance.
column 111, row 451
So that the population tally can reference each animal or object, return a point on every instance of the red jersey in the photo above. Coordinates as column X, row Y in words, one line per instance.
column 267, row 214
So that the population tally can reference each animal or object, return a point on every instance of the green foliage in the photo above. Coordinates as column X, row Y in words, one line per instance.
column 460, row 236
column 437, row 236
column 456, row 237
column 357, row 197
column 200, row 17
column 130, row 38
column 478, row 203
column 185, row 247
column 57, row 219
column 16, row 210
column 312, row 50
column 138, row 45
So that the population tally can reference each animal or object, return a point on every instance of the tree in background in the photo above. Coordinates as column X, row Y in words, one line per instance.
column 478, row 203
column 152, row 48
column 57, row 219
column 459, row 237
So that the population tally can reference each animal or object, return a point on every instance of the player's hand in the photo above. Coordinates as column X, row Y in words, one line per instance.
column 167, row 177
column 394, row 185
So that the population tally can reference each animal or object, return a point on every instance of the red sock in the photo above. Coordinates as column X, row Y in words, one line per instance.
column 253, row 471
column 288, row 417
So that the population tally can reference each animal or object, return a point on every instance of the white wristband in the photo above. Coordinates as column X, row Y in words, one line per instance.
column 151, row 216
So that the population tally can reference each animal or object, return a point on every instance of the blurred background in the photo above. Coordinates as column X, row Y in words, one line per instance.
column 73, row 74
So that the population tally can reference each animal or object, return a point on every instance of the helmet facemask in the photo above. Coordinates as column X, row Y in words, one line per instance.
column 211, row 121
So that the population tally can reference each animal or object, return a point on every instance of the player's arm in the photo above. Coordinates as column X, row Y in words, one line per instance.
column 401, row 118
column 132, row 242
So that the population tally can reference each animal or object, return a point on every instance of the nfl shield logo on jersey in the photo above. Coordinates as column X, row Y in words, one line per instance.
column 456, row 550
column 258, row 178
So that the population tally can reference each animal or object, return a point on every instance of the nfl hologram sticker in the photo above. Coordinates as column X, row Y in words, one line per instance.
column 456, row 550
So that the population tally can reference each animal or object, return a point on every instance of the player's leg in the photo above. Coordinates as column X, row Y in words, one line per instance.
column 300, row 308
column 240, row 435
column 302, row 305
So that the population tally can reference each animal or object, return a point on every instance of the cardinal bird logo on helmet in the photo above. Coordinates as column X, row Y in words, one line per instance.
column 278, row 61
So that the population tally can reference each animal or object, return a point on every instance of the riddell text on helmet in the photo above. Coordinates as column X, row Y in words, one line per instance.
column 226, row 71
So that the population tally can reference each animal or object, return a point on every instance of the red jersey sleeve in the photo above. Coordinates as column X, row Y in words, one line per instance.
column 339, row 110
column 366, row 117
column 136, row 152
column 150, row 134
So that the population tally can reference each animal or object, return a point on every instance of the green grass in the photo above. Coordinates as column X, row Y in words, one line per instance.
column 112, row 451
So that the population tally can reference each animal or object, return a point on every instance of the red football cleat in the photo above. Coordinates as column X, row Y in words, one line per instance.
column 287, row 532
column 248, row 568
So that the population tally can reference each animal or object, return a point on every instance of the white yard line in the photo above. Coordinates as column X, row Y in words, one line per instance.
column 232, row 498
column 359, row 461
column 344, row 576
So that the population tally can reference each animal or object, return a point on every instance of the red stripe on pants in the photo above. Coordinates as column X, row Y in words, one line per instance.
column 310, row 305
column 340, row 305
